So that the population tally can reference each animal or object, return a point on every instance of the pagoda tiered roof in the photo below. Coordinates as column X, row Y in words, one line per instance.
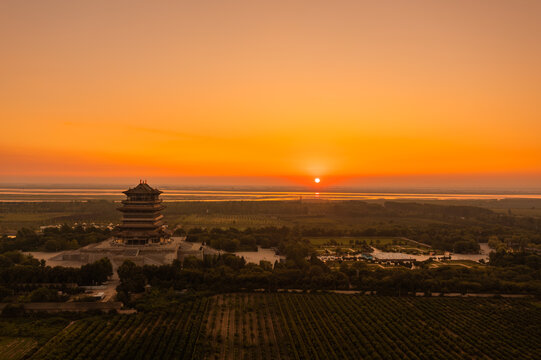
column 141, row 219
column 142, row 188
column 128, row 205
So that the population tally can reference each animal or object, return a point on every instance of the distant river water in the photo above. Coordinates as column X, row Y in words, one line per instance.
column 67, row 194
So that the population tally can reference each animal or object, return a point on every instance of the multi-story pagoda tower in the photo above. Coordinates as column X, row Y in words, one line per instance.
column 141, row 218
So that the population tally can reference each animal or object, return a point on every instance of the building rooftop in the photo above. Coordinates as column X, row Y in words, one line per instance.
column 142, row 188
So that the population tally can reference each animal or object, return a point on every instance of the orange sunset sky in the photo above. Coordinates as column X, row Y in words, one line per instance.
column 278, row 92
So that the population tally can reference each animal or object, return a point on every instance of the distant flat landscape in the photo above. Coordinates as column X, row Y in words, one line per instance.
column 69, row 194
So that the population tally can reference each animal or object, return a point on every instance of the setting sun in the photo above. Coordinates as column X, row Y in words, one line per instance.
column 317, row 180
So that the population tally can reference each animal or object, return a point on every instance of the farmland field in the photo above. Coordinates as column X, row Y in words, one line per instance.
column 310, row 326
column 15, row 348
column 224, row 221
column 171, row 335
column 18, row 220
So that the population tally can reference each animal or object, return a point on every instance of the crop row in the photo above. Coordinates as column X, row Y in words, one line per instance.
column 310, row 326
column 169, row 335
column 333, row 326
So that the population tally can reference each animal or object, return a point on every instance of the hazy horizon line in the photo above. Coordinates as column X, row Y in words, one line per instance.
column 502, row 182
column 488, row 190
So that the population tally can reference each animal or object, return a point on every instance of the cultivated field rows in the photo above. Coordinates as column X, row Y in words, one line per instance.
column 15, row 348
column 310, row 326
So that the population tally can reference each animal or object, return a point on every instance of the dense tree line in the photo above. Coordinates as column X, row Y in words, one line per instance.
column 22, row 273
column 44, row 294
column 517, row 279
column 448, row 237
column 459, row 237
column 54, row 239
column 286, row 240
column 230, row 273
column 509, row 259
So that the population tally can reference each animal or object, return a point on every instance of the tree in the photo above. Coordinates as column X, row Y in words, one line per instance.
column 96, row 272
column 179, row 232
column 43, row 295
column 5, row 261
column 466, row 246
column 5, row 292
column 131, row 277
column 123, row 296
column 52, row 245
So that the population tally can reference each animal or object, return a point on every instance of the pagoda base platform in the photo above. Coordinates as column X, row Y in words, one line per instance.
column 117, row 253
